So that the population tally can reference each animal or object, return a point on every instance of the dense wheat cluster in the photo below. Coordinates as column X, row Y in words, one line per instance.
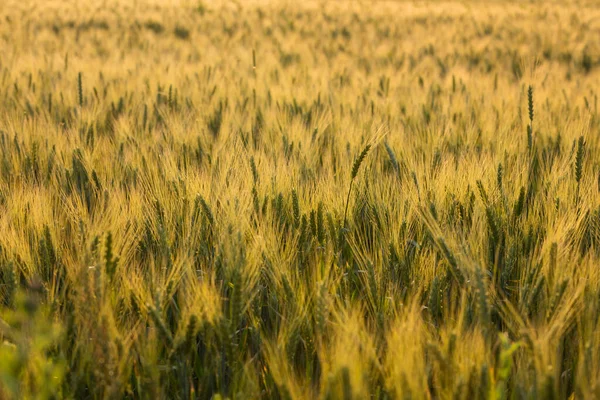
column 320, row 200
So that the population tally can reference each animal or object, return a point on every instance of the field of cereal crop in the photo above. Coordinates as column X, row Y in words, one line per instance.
column 299, row 200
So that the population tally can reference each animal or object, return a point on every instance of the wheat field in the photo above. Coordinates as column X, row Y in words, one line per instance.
column 316, row 200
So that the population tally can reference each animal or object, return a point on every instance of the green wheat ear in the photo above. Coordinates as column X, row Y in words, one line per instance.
column 359, row 160
column 579, row 159
column 519, row 204
column 355, row 167
column 80, row 89
column 499, row 176
column 530, row 126
column 530, row 104
column 145, row 118
column 483, row 305
column 255, row 175
column 296, row 208
column 392, row 157
column 110, row 260
column 207, row 211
